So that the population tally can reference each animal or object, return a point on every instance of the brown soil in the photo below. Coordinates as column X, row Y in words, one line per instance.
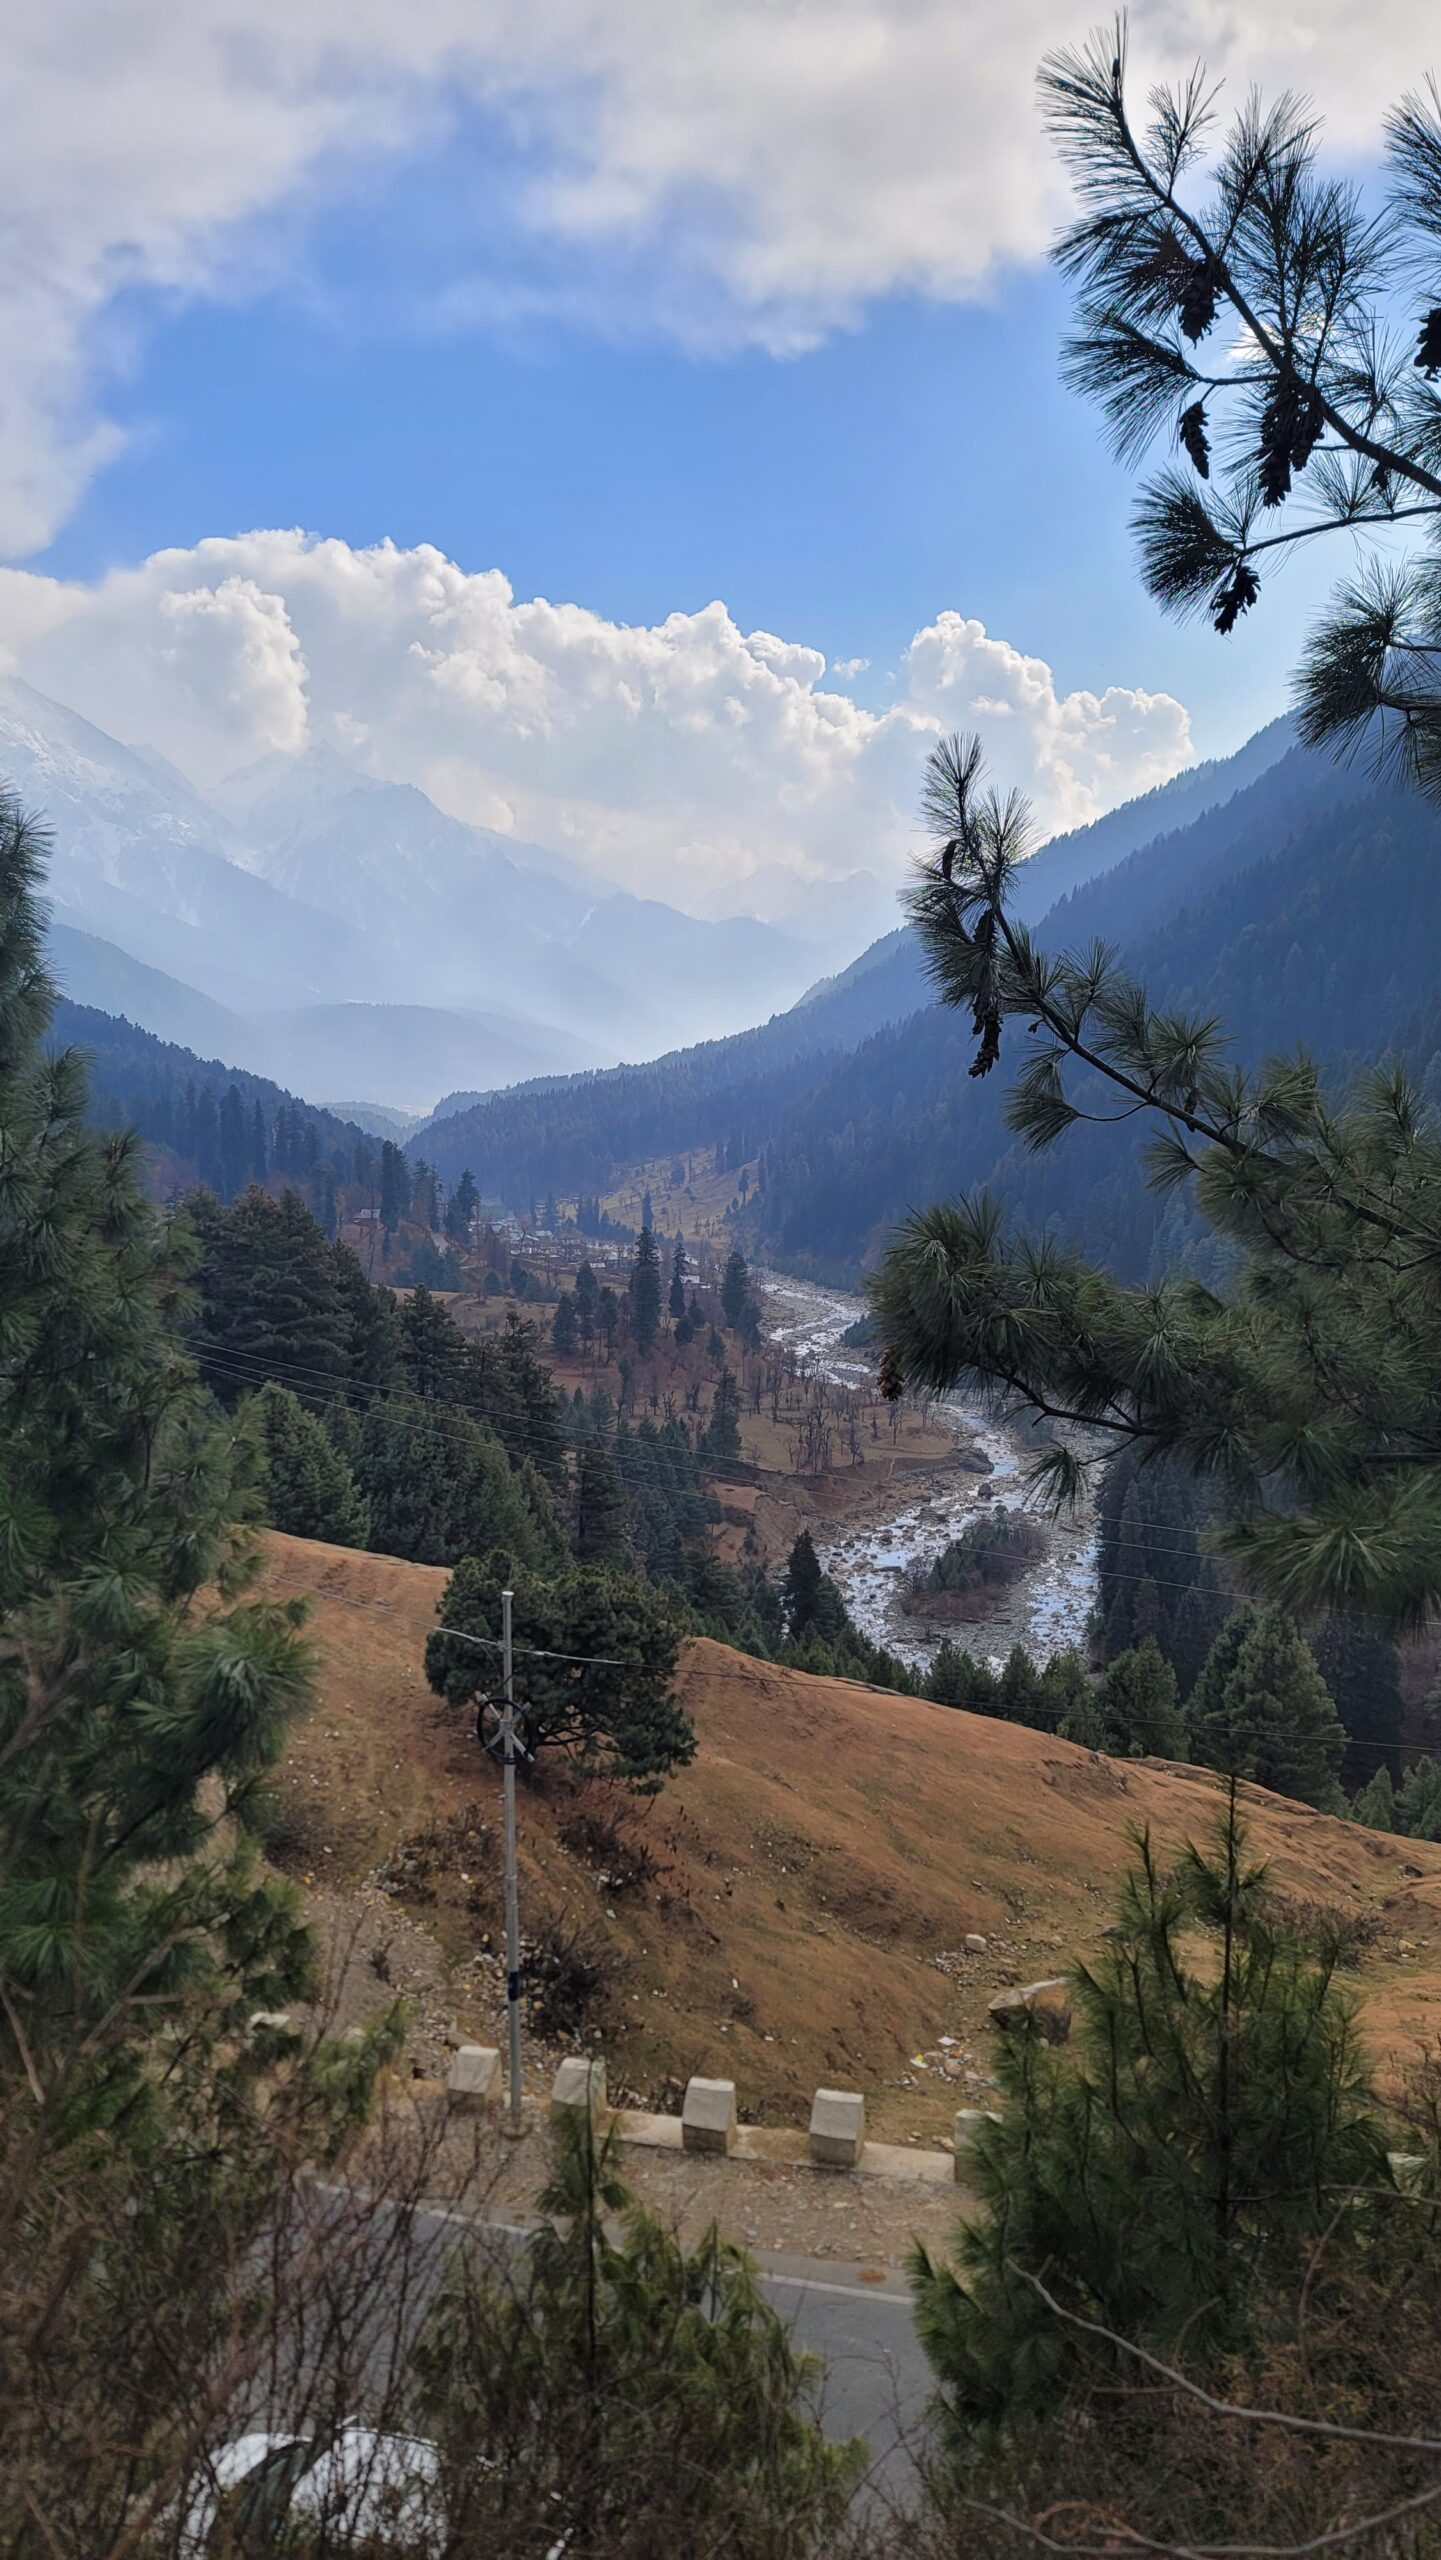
column 792, row 1909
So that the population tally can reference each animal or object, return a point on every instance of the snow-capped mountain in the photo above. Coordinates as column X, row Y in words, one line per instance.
column 347, row 923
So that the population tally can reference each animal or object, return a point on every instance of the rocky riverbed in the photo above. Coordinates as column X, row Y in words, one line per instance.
column 908, row 1521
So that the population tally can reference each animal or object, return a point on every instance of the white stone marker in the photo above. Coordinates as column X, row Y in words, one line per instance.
column 473, row 2080
column 708, row 2118
column 969, row 2121
column 838, row 2127
column 580, row 2082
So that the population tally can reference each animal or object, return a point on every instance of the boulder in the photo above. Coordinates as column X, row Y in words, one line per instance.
column 974, row 1943
column 838, row 2128
column 1044, row 2005
column 708, row 2118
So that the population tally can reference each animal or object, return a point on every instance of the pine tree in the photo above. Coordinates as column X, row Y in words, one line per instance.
column 563, row 1327
column 735, row 1290
column 394, row 1186
column 1228, row 2092
column 600, row 1511
column 307, row 1486
column 1018, row 1693
column 433, row 1351
column 801, row 1587
column 133, row 1721
column 1136, row 1701
column 270, row 1298
column 957, row 1679
column 1275, row 1721
column 439, row 1486
column 645, row 1292
column 600, row 1649
column 676, row 1300
column 545, row 2395
column 233, row 1139
column 461, row 1208
column 587, row 1301
column 722, row 1435
column 372, row 1324
column 1376, row 1803
column 258, row 1167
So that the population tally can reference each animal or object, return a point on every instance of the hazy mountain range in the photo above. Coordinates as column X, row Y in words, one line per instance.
column 345, row 936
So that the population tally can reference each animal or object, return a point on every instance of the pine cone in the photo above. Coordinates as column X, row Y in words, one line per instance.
column 1428, row 349
column 1234, row 596
column 1196, row 305
column 890, row 1381
column 987, row 1021
column 1192, row 432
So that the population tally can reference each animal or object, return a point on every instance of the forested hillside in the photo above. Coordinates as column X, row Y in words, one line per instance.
column 1301, row 909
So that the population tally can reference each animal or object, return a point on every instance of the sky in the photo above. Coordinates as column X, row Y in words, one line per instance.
column 636, row 421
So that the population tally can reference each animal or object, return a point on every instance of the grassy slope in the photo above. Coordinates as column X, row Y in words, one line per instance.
column 829, row 1842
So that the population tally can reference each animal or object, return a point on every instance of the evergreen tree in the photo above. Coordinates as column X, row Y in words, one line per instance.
column 551, row 2408
column 801, row 1587
column 722, row 1435
column 258, row 1166
column 1417, row 1804
column 270, row 1297
column 433, row 1350
column 957, row 1679
column 1205, row 1706
column 372, row 1324
column 461, row 1208
column 133, row 1721
column 735, row 1290
column 439, row 1486
column 563, row 1328
column 587, row 1301
column 676, row 1299
column 1363, row 1673
column 645, row 1292
column 1018, row 1694
column 600, row 1519
column 394, row 1186
column 307, row 1486
column 233, row 1139
column 1376, row 1803
column 1228, row 2093
column 1136, row 1701
column 1275, row 1721
column 600, row 1650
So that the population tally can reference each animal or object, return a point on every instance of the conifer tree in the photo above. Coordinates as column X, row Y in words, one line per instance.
column 1228, row 2092
column 1417, row 1803
column 1136, row 1702
column 258, row 1166
column 735, row 1290
column 645, row 1292
column 307, row 1486
column 599, row 1649
column 461, row 1208
column 600, row 1512
column 587, row 1300
column 563, row 1328
column 394, row 1186
column 270, row 1299
column 957, row 1679
column 676, row 1300
column 801, row 1587
column 132, row 1723
column 372, row 1324
column 1271, row 1717
column 1376, row 1803
column 439, row 1486
column 722, row 1435
column 433, row 1350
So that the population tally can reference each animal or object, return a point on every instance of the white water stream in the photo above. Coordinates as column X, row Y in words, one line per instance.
column 1045, row 1611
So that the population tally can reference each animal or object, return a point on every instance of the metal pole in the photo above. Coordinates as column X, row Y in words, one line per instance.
column 512, row 1885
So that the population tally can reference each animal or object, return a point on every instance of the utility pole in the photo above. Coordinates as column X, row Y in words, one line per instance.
column 512, row 1881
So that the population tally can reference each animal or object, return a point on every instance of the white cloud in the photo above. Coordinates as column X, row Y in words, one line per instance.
column 770, row 164
column 689, row 759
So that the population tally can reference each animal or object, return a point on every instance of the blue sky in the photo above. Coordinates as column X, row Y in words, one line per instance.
column 637, row 306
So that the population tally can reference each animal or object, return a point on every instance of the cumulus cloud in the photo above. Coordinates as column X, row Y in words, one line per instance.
column 770, row 165
column 687, row 759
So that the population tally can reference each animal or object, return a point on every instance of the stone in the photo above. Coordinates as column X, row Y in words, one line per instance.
column 580, row 2082
column 708, row 2117
column 838, row 2128
column 969, row 2121
column 473, row 2080
column 1046, row 2005
column 974, row 1943
column 272, row 2022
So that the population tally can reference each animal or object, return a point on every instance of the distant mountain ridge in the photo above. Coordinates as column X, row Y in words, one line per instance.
column 348, row 929
column 1303, row 905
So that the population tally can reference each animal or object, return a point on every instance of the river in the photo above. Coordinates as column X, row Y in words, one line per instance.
column 1045, row 1611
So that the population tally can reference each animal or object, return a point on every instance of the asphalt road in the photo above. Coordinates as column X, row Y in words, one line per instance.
column 878, row 2382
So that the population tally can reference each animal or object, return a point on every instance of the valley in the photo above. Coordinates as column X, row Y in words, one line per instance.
column 899, row 1524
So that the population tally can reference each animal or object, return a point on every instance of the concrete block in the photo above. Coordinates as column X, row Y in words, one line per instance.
column 473, row 2080
column 580, row 2082
column 708, row 2118
column 969, row 2121
column 838, row 2127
